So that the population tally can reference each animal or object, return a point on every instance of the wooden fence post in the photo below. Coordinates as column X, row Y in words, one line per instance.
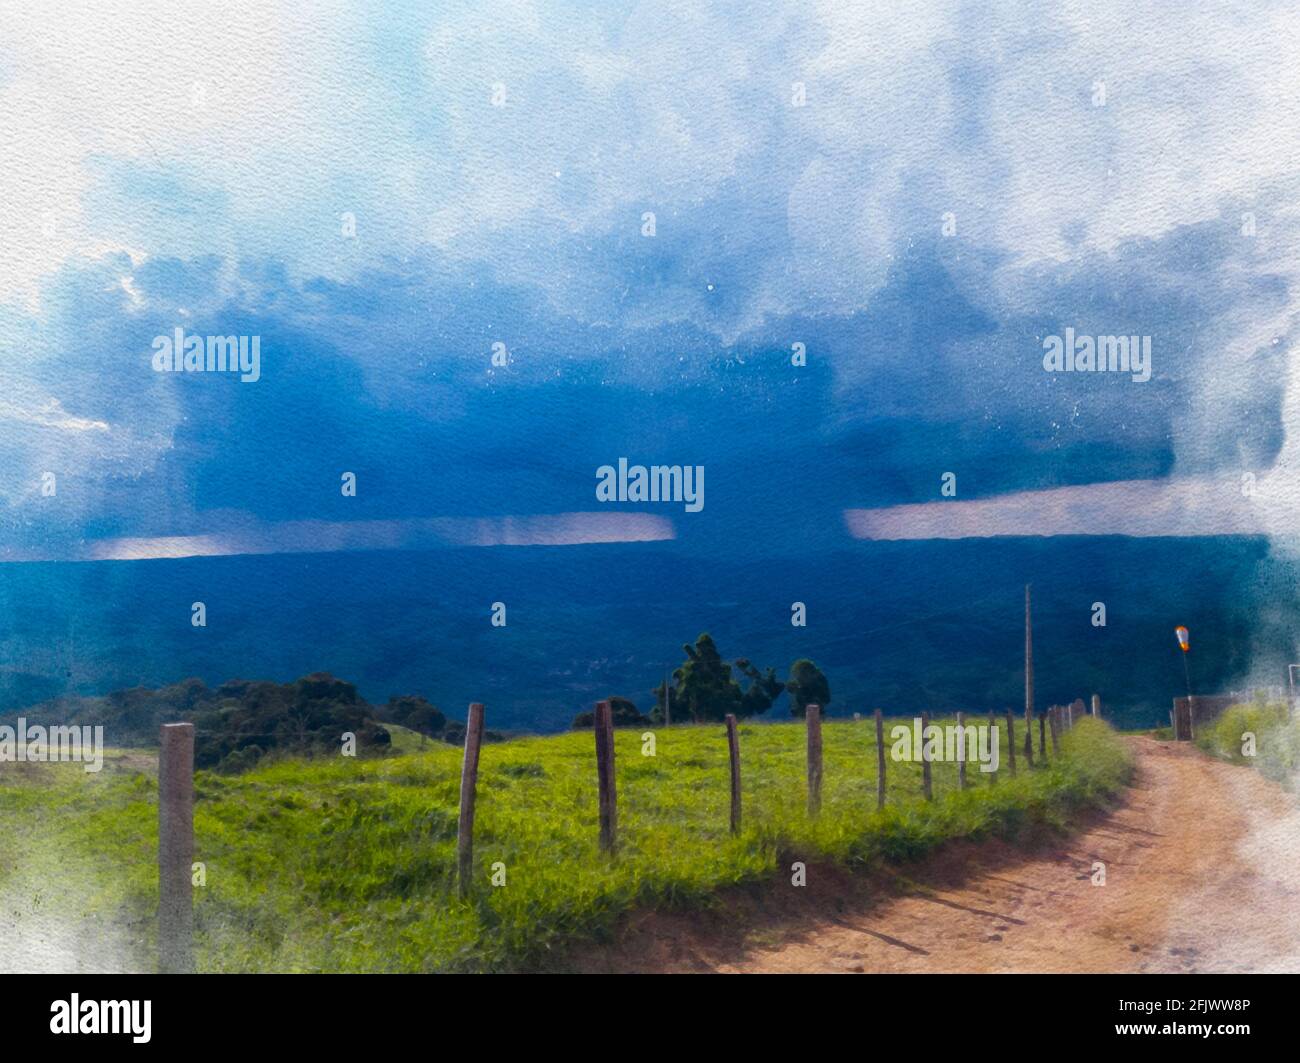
column 880, row 761
column 468, row 794
column 1096, row 705
column 604, row 727
column 733, row 748
column 176, row 848
column 925, row 760
column 1042, row 734
column 1011, row 739
column 814, row 719
column 1029, row 682
column 961, row 751
column 1056, row 715
column 994, row 743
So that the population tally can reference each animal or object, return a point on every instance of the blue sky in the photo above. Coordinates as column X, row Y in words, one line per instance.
column 171, row 166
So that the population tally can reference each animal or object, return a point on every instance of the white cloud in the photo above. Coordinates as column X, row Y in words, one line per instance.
column 277, row 119
column 50, row 414
column 191, row 130
column 1241, row 504
column 266, row 115
column 319, row 536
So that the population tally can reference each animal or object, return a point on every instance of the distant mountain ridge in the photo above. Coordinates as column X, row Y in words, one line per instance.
column 905, row 626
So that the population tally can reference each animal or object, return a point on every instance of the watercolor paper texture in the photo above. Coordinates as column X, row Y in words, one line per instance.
column 362, row 362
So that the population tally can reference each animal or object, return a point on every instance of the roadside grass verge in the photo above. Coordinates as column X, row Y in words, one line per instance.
column 348, row 864
column 1276, row 739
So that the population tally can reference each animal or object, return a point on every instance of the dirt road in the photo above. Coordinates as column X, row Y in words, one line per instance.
column 1202, row 867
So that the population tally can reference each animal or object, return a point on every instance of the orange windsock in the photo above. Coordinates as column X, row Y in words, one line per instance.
column 1184, row 640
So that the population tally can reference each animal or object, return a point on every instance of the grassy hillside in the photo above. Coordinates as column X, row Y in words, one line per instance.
column 348, row 864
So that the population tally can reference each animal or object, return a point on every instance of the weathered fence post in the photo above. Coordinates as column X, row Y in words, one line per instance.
column 925, row 759
column 993, row 743
column 468, row 794
column 814, row 718
column 1011, row 739
column 1055, row 715
column 1042, row 735
column 1096, row 705
column 733, row 748
column 604, row 727
column 880, row 760
column 1029, row 681
column 961, row 751
column 176, row 848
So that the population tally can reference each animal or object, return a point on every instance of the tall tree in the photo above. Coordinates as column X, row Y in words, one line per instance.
column 762, row 690
column 706, row 690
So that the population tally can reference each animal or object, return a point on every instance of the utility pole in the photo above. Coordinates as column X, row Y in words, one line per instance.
column 1029, row 681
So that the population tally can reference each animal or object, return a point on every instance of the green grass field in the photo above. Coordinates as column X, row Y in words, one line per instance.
column 348, row 864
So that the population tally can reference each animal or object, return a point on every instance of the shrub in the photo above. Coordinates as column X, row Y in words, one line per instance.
column 1276, row 738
